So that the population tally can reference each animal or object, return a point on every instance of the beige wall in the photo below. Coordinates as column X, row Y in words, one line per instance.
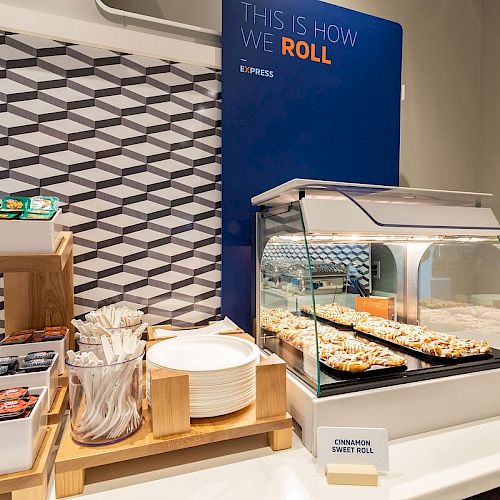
column 489, row 176
column 440, row 117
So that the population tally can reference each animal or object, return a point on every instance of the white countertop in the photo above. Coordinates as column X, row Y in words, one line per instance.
column 452, row 464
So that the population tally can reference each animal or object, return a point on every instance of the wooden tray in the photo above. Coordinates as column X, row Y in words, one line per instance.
column 167, row 426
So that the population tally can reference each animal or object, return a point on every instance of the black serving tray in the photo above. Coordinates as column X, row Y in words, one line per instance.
column 420, row 354
column 373, row 371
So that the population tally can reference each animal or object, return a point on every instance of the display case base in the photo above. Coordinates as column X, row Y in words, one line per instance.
column 404, row 410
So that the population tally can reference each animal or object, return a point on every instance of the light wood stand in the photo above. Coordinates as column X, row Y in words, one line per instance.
column 167, row 426
column 32, row 484
column 38, row 288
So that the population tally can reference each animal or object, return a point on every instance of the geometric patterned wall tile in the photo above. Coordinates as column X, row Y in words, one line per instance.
column 145, row 65
column 210, row 88
column 146, row 210
column 122, row 253
column 170, row 169
column 147, row 266
column 95, row 178
column 122, row 282
column 145, row 123
column 96, row 208
column 10, row 57
column 94, row 147
column 193, row 73
column 210, row 171
column 146, row 238
column 68, row 192
column 211, row 279
column 66, row 98
column 120, row 135
column 193, row 128
column 12, row 157
column 37, row 110
column 38, row 143
column 170, row 140
column 94, row 117
column 131, row 145
column 192, row 100
column 120, row 105
column 120, row 74
column 67, row 130
column 66, row 66
column 193, row 184
column 171, row 280
column 93, row 86
column 169, row 225
column 18, row 188
column 121, row 195
column 146, row 152
column 121, row 165
column 170, row 111
column 211, row 116
column 11, row 124
column 67, row 161
column 145, row 93
column 40, row 175
column 93, row 55
column 146, row 181
column 36, row 46
column 37, row 77
column 170, row 82
column 122, row 224
column 211, row 144
column 193, row 156
column 11, row 91
column 211, row 251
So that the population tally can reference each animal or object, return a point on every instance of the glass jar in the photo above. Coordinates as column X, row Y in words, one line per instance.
column 105, row 402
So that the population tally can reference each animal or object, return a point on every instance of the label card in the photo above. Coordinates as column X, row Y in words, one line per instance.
column 353, row 445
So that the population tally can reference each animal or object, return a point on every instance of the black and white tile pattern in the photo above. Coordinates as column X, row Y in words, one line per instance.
column 131, row 145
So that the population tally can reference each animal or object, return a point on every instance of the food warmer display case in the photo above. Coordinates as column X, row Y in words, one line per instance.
column 383, row 301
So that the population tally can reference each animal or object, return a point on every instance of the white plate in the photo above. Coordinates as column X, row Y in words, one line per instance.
column 203, row 354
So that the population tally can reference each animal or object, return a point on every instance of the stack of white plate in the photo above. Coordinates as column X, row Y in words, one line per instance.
column 221, row 371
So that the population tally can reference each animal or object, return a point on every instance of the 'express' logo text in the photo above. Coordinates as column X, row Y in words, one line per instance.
column 250, row 70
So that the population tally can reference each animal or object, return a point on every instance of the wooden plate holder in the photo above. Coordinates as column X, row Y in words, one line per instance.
column 167, row 426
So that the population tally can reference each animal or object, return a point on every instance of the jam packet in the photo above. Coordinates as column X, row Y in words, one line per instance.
column 11, row 362
column 12, row 409
column 35, row 365
column 37, row 215
column 17, row 339
column 17, row 203
column 16, row 393
column 9, row 215
column 40, row 355
column 44, row 204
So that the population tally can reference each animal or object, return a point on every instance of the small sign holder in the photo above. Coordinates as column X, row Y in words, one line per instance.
column 353, row 455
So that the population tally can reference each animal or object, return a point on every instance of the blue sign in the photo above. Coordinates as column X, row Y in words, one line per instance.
column 310, row 90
